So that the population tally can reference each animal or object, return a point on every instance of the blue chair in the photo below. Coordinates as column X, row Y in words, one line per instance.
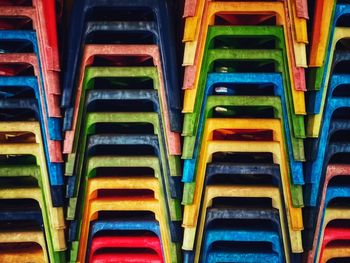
column 245, row 78
column 83, row 11
column 315, row 98
column 241, row 256
column 237, row 234
column 314, row 169
column 29, row 38
column 216, row 214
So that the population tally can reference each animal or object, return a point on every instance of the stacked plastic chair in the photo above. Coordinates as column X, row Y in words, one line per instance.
column 31, row 164
column 327, row 171
column 243, row 130
column 122, row 132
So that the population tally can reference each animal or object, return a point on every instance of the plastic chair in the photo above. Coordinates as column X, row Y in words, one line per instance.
column 24, row 110
column 333, row 192
column 191, row 210
column 218, row 173
column 145, row 72
column 210, row 55
column 194, row 33
column 239, row 214
column 331, row 213
column 239, row 234
column 147, row 242
column 151, row 162
column 104, row 96
column 92, row 51
column 134, row 28
column 25, row 236
column 242, row 256
column 161, row 10
column 246, row 102
column 54, row 228
column 215, row 7
column 332, row 171
column 334, row 234
column 45, row 26
column 145, row 203
column 112, row 98
column 293, row 123
column 95, row 118
column 13, row 59
column 126, row 258
column 212, row 192
column 52, row 100
column 333, row 103
column 129, row 140
column 298, row 11
column 121, row 225
column 172, row 205
column 244, row 146
column 137, row 34
column 52, row 188
column 31, row 83
column 314, row 121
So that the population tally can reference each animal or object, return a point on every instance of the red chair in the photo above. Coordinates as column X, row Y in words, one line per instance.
column 126, row 258
column 127, row 242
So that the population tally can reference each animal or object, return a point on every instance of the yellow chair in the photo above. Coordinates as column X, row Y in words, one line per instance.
column 209, row 147
column 26, row 236
column 314, row 121
column 54, row 233
column 212, row 192
column 340, row 251
column 55, row 215
column 94, row 204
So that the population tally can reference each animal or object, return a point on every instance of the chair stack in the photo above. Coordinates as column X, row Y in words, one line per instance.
column 327, row 190
column 122, row 132
column 244, row 130
column 31, row 164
